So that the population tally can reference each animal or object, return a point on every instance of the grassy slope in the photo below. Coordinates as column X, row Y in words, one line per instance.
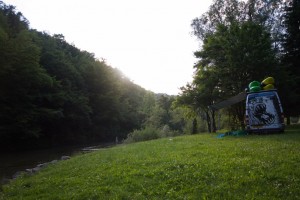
column 187, row 167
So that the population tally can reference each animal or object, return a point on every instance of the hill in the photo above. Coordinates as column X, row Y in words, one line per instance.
column 186, row 167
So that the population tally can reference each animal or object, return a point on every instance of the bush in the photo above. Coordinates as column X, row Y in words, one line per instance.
column 294, row 120
column 167, row 132
column 150, row 133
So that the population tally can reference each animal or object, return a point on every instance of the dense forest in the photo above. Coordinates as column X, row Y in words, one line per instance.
column 53, row 93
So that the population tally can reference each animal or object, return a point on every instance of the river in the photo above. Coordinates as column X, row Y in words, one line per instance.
column 10, row 163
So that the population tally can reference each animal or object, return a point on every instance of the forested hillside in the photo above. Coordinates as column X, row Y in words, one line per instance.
column 52, row 93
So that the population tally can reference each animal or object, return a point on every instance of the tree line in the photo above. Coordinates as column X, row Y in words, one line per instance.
column 52, row 93
column 243, row 41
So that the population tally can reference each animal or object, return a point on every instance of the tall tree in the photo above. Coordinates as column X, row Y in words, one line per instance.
column 267, row 13
column 223, row 12
column 291, row 56
column 201, row 94
column 236, row 55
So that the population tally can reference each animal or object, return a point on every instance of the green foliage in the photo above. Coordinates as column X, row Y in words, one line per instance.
column 195, row 126
column 237, row 54
column 151, row 133
column 291, row 58
column 163, row 113
column 53, row 93
column 186, row 167
column 231, row 57
column 22, row 82
column 241, row 43
column 148, row 133
column 227, row 12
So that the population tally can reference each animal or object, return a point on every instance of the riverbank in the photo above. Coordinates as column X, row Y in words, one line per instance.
column 11, row 164
column 185, row 167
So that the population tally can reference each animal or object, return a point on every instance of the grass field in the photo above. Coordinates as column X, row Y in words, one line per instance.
column 187, row 167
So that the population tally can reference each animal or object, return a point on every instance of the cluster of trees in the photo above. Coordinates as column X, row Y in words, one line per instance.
column 53, row 93
column 244, row 41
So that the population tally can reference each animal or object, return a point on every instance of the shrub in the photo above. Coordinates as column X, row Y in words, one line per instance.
column 150, row 133
column 167, row 132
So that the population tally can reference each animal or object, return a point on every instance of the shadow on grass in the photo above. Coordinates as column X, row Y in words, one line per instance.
column 291, row 133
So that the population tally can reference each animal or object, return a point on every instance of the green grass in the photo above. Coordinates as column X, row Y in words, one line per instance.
column 186, row 167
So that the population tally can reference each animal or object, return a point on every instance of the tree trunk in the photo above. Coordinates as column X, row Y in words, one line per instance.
column 208, row 121
column 195, row 126
column 288, row 120
column 240, row 114
column 214, row 129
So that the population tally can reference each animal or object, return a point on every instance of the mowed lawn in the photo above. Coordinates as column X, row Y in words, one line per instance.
column 198, row 166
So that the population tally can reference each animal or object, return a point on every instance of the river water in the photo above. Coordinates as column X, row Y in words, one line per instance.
column 10, row 163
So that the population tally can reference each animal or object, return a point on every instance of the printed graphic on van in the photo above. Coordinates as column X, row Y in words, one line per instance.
column 261, row 114
column 264, row 110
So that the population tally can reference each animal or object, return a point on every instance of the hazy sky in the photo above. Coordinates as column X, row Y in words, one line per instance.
column 150, row 41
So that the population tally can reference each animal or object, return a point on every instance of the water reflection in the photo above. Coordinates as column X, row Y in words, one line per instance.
column 10, row 163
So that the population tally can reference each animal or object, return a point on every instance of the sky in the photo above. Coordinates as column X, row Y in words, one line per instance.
column 150, row 41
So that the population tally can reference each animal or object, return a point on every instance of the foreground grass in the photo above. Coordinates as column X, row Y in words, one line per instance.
column 187, row 167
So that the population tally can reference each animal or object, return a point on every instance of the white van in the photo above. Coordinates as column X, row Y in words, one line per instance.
column 264, row 112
